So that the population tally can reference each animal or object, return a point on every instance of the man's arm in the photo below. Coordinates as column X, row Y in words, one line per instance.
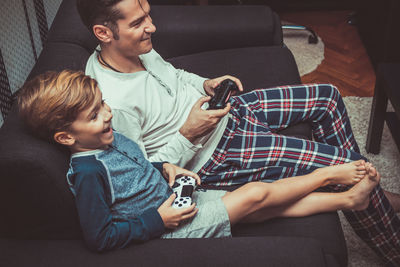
column 195, row 80
column 177, row 150
column 200, row 122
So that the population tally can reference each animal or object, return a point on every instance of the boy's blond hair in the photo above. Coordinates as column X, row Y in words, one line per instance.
column 51, row 102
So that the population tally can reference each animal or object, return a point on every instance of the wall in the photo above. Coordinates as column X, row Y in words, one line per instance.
column 23, row 29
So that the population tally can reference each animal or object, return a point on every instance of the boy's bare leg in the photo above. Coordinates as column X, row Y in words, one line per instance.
column 258, row 195
column 356, row 198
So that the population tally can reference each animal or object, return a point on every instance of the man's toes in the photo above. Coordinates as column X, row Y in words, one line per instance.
column 368, row 166
column 372, row 172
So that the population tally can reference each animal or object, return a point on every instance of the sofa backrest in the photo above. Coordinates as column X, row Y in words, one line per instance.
column 35, row 201
column 181, row 30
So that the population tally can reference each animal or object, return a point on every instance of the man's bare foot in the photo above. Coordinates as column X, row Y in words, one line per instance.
column 394, row 200
column 359, row 193
column 346, row 173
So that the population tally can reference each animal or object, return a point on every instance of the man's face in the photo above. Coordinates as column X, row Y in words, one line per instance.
column 134, row 29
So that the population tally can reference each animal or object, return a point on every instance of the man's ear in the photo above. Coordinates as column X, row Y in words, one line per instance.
column 103, row 33
column 64, row 138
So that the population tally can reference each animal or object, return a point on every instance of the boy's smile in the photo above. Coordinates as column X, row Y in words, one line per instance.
column 92, row 128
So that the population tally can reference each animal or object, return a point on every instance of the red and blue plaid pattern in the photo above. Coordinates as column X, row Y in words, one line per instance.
column 251, row 149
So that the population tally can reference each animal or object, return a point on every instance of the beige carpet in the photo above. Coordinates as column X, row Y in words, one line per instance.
column 308, row 57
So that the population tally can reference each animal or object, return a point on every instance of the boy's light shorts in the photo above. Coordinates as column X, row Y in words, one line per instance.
column 211, row 220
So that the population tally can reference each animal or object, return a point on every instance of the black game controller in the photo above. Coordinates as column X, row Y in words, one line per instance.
column 222, row 94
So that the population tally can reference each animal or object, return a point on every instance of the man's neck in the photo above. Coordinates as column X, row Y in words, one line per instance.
column 118, row 62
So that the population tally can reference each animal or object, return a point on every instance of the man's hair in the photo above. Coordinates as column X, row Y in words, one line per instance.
column 51, row 102
column 100, row 12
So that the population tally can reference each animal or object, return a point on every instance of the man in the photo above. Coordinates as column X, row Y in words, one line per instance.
column 160, row 108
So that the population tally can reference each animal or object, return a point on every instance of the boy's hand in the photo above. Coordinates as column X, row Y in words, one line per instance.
column 172, row 217
column 171, row 170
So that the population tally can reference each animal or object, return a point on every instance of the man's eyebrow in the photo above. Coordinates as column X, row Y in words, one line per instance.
column 132, row 23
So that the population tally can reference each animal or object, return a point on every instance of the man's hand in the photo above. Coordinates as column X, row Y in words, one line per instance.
column 200, row 121
column 171, row 216
column 171, row 170
column 209, row 85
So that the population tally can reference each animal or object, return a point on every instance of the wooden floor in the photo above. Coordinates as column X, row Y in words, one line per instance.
column 346, row 62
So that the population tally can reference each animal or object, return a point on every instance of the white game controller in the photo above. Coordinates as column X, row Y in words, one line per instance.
column 183, row 189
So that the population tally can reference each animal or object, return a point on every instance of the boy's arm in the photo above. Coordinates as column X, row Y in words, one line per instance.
column 100, row 230
column 159, row 166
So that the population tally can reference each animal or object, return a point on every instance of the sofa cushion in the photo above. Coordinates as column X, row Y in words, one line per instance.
column 184, row 35
column 68, row 28
column 60, row 56
column 243, row 251
column 325, row 227
column 256, row 67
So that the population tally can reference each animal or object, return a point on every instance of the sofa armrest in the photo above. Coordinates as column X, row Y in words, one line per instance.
column 34, row 195
column 183, row 30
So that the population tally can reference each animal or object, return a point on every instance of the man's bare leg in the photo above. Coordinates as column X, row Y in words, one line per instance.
column 258, row 195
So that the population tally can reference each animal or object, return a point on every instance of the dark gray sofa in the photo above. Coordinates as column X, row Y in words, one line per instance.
column 38, row 221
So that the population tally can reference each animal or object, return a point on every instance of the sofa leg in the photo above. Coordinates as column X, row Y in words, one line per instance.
column 312, row 39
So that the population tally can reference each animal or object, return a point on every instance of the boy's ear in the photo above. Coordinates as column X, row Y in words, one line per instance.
column 103, row 33
column 64, row 138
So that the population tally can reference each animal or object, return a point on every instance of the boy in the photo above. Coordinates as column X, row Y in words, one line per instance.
column 123, row 198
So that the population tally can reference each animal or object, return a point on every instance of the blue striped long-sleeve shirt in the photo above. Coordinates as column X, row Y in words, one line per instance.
column 117, row 193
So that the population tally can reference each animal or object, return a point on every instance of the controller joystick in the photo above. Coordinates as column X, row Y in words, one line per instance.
column 222, row 94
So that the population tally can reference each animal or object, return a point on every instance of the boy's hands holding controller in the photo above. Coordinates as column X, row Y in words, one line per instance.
column 170, row 171
column 172, row 216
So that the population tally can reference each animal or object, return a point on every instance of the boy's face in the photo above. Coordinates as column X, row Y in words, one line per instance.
column 135, row 29
column 92, row 128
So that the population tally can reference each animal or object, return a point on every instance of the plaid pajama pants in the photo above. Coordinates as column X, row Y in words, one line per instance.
column 251, row 149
